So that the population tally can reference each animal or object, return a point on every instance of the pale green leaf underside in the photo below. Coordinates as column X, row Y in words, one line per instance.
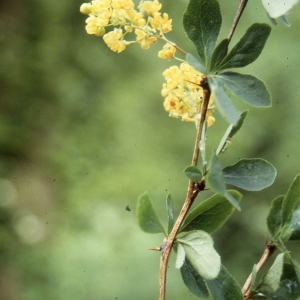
column 199, row 250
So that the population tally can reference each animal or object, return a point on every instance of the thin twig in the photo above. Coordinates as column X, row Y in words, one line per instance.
column 193, row 190
column 173, row 44
column 238, row 15
column 269, row 250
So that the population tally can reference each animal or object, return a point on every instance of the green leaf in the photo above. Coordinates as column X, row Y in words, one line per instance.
column 170, row 213
column 195, row 63
column 295, row 225
column 274, row 216
column 216, row 181
column 218, row 55
column 286, row 233
column 254, row 278
column 289, row 288
column 222, row 100
column 193, row 173
column 230, row 132
column 202, row 22
column 194, row 282
column 224, row 287
column 146, row 215
column 248, row 48
column 199, row 250
column 250, row 174
column 247, row 87
column 180, row 258
column 210, row 214
column 271, row 280
column 290, row 200
column 239, row 124
column 296, row 265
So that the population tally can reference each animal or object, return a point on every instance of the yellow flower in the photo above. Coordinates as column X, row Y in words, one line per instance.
column 150, row 7
column 95, row 25
column 163, row 24
column 85, row 8
column 122, row 4
column 168, row 51
column 183, row 95
column 114, row 40
column 144, row 37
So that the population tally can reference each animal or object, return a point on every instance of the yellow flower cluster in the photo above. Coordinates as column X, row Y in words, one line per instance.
column 148, row 23
column 183, row 98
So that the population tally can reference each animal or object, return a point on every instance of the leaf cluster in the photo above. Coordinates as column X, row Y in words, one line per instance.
column 198, row 261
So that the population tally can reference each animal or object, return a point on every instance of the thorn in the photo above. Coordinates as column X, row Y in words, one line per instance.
column 155, row 248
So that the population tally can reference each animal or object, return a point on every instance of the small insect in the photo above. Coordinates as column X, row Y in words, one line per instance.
column 128, row 208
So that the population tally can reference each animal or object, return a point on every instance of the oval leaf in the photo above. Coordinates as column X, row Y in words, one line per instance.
column 290, row 200
column 199, row 250
column 250, row 174
column 193, row 173
column 248, row 48
column 146, row 215
column 194, row 282
column 224, row 287
column 202, row 22
column 247, row 87
column 210, row 214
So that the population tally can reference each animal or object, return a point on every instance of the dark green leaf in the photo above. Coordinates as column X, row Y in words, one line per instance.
column 222, row 100
column 248, row 48
column 295, row 225
column 170, row 213
column 290, row 200
column 202, row 22
column 274, row 216
column 216, row 181
column 289, row 288
column 199, row 250
column 218, row 55
column 210, row 214
column 146, row 215
column 250, row 174
column 194, row 282
column 271, row 280
column 247, row 87
column 195, row 63
column 230, row 132
column 224, row 287
column 193, row 173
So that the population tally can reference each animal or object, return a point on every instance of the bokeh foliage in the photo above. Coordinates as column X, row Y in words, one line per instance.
column 83, row 132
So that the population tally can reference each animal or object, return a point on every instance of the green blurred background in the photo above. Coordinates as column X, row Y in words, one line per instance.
column 83, row 133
